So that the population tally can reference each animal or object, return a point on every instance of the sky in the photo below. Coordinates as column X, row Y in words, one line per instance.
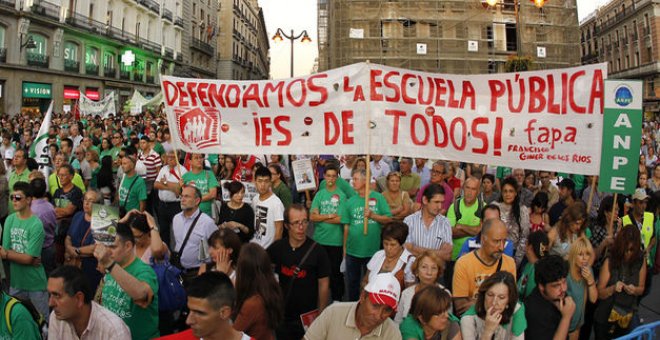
column 301, row 15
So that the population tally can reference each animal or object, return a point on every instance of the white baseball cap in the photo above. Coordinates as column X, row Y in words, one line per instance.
column 384, row 289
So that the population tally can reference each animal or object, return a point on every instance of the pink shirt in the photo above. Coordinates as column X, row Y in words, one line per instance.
column 103, row 324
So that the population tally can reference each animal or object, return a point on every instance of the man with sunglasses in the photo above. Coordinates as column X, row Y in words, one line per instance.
column 22, row 240
column 19, row 173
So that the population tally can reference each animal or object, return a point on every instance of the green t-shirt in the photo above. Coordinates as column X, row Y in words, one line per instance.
column 329, row 202
column 411, row 328
column 202, row 181
column 25, row 237
column 23, row 326
column 142, row 322
column 130, row 195
column 159, row 148
column 526, row 282
column 13, row 178
column 352, row 213
column 54, row 183
column 343, row 185
column 213, row 159
column 468, row 217
column 284, row 194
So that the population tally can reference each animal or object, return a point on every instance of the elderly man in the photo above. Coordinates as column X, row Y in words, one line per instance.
column 474, row 268
column 365, row 319
column 438, row 176
column 168, row 184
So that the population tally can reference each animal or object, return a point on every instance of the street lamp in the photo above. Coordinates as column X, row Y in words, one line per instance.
column 280, row 35
column 29, row 44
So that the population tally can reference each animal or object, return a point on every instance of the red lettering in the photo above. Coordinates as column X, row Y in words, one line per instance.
column 404, row 88
column 497, row 89
column 571, row 92
column 375, row 85
column 536, row 97
column 252, row 94
column 266, row 130
column 413, row 132
column 397, row 114
column 438, row 121
column 191, row 92
column 331, row 121
column 463, row 133
column 170, row 97
column 217, row 95
column 201, row 93
column 182, row 93
column 322, row 91
column 478, row 134
column 392, row 86
column 347, row 126
column 303, row 93
column 552, row 106
column 597, row 91
column 233, row 100
column 441, row 91
column 257, row 129
column 283, row 130
column 452, row 95
column 468, row 93
column 274, row 88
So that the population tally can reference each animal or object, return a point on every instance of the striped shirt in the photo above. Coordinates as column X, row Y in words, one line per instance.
column 153, row 163
column 433, row 236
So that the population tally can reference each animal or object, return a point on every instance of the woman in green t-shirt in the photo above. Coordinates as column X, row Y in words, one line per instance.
column 429, row 317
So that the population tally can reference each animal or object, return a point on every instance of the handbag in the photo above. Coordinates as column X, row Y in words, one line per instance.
column 171, row 294
column 77, row 261
column 175, row 259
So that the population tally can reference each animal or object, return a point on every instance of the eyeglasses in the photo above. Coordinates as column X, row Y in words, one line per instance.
column 16, row 198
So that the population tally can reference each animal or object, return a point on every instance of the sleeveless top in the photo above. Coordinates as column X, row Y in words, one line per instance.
column 628, row 274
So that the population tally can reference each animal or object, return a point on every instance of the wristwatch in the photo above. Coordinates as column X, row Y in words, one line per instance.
column 109, row 269
column 77, row 251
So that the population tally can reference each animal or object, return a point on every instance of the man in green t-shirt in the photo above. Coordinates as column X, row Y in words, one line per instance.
column 358, row 247
column 132, row 193
column 469, row 211
column 20, row 173
column 328, row 231
column 131, row 286
column 22, row 240
column 202, row 179
column 21, row 325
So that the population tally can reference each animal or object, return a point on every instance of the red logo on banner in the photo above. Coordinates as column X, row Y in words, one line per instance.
column 198, row 128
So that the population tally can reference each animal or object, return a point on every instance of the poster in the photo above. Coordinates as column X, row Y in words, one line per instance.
column 104, row 223
column 303, row 174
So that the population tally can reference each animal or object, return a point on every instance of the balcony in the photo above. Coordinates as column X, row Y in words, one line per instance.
column 178, row 22
column 3, row 55
column 167, row 14
column 71, row 66
column 151, row 79
column 92, row 69
column 138, row 76
column 8, row 3
column 169, row 53
column 202, row 47
column 47, row 9
column 150, row 4
column 38, row 60
column 124, row 75
column 109, row 72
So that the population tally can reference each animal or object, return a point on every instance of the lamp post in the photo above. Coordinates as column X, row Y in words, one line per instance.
column 280, row 35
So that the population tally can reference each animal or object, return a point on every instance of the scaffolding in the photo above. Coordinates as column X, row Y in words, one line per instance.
column 447, row 36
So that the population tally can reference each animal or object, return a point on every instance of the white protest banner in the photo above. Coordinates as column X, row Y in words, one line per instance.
column 550, row 119
column 135, row 103
column 39, row 148
column 101, row 108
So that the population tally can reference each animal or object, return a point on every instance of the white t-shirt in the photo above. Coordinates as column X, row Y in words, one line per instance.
column 405, row 260
column 166, row 195
column 266, row 213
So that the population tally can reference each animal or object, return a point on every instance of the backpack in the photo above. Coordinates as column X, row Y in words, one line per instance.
column 36, row 316
column 457, row 208
column 171, row 295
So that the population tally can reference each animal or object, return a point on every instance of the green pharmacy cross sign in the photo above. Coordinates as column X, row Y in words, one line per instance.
column 622, row 132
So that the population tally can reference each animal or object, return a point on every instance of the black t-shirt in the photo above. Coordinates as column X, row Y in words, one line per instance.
column 75, row 196
column 243, row 215
column 542, row 317
column 304, row 295
column 555, row 212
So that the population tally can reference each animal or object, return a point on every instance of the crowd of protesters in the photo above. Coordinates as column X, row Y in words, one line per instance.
column 439, row 249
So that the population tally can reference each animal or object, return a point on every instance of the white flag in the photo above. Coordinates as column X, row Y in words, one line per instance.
column 39, row 149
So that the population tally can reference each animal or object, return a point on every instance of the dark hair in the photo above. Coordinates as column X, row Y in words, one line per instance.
column 572, row 213
column 74, row 281
column 628, row 236
column 331, row 167
column 68, row 168
column 68, row 141
column 38, row 188
column 654, row 204
column 429, row 301
column 540, row 200
column 515, row 206
column 227, row 239
column 278, row 169
column 432, row 190
column 139, row 222
column 491, row 206
column 489, row 177
column 606, row 205
column 104, row 177
column 509, row 281
column 548, row 269
column 539, row 242
column 108, row 140
column 24, row 187
column 395, row 230
column 294, row 206
column 198, row 193
column 215, row 287
column 261, row 172
column 124, row 233
column 254, row 276
column 31, row 164
column 234, row 187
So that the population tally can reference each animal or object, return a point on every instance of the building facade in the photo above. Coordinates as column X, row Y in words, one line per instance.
column 199, row 40
column 626, row 35
column 448, row 36
column 243, row 42
column 58, row 49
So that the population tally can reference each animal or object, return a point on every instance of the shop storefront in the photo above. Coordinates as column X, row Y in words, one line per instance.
column 71, row 95
column 36, row 98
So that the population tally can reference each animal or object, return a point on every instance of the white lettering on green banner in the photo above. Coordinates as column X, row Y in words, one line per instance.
column 37, row 90
column 622, row 133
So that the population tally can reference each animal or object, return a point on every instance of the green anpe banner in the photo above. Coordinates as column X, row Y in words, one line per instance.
column 622, row 133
